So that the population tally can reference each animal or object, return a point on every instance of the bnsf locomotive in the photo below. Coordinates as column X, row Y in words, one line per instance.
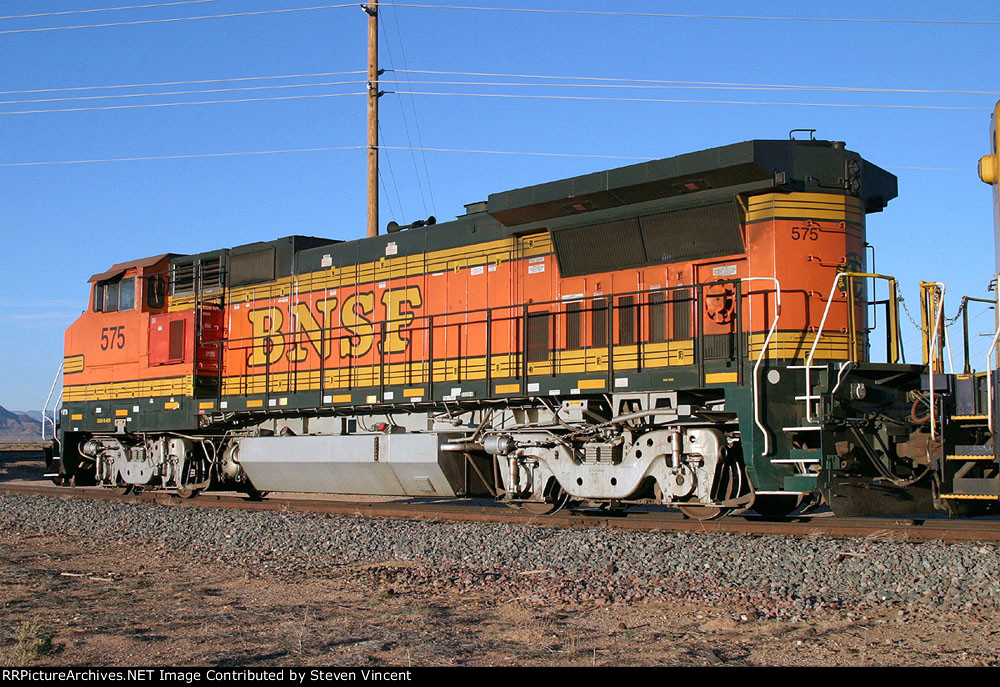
column 694, row 331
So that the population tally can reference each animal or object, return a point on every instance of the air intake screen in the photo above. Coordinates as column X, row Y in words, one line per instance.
column 182, row 279
column 674, row 236
column 599, row 247
column 251, row 268
column 704, row 232
column 211, row 274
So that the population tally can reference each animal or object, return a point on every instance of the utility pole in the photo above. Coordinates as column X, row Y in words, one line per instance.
column 373, row 95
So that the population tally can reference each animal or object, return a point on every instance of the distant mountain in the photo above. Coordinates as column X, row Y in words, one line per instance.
column 33, row 414
column 18, row 427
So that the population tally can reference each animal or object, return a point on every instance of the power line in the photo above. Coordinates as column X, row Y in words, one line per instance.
column 392, row 175
column 303, row 150
column 385, row 194
column 178, row 157
column 734, row 84
column 107, row 9
column 485, row 95
column 633, row 157
column 597, row 156
column 660, row 15
column 179, row 19
column 406, row 128
column 178, row 104
column 651, row 85
column 162, row 93
column 690, row 101
column 663, row 15
column 521, row 152
column 443, row 93
column 413, row 107
column 680, row 84
column 181, row 83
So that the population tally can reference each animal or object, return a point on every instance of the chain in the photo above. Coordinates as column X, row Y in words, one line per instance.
column 902, row 301
column 948, row 321
column 953, row 320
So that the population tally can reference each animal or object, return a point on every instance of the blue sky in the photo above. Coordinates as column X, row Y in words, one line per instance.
column 63, row 222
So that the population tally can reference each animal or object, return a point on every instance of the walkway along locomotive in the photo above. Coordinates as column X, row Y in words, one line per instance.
column 692, row 331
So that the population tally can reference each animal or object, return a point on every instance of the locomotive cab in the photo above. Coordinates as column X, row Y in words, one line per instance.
column 128, row 362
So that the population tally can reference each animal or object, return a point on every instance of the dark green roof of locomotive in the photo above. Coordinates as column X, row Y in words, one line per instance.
column 696, row 179
column 463, row 231
column 284, row 251
column 810, row 166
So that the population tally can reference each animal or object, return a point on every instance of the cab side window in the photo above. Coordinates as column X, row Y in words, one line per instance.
column 98, row 297
column 115, row 296
column 111, row 297
column 126, row 294
column 156, row 292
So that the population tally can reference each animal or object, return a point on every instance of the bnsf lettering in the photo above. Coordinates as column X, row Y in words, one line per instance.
column 360, row 333
column 314, row 331
column 398, row 319
column 269, row 342
column 310, row 330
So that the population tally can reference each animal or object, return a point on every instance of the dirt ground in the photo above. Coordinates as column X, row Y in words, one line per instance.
column 100, row 606
column 65, row 600
column 22, row 465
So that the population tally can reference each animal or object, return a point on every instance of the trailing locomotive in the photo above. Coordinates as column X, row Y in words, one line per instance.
column 692, row 331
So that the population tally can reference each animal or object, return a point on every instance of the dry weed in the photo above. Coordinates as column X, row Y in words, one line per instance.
column 31, row 642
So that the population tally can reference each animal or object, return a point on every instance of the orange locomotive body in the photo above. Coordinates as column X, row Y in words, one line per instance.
column 674, row 331
column 356, row 338
column 128, row 346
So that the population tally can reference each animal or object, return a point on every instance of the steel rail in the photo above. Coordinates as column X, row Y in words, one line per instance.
column 896, row 529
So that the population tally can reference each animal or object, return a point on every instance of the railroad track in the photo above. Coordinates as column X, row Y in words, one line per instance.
column 900, row 529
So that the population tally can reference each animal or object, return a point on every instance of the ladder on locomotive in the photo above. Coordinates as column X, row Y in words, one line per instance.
column 210, row 280
column 802, row 458
column 810, row 399
column 970, row 469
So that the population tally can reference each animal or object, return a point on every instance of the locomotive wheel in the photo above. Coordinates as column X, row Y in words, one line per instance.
column 79, row 480
column 122, row 490
column 254, row 494
column 704, row 512
column 776, row 505
column 558, row 502
column 727, row 490
column 187, row 493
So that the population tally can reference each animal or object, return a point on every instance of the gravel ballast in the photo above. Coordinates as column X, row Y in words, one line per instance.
column 760, row 576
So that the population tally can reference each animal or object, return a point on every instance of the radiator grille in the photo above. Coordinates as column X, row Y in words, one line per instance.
column 251, row 268
column 673, row 236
